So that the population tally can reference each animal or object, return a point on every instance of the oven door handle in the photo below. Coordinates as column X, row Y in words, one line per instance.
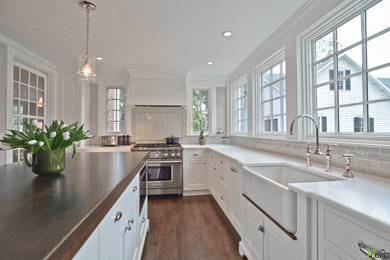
column 163, row 163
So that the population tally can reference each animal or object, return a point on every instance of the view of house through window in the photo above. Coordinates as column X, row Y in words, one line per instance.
column 240, row 96
column 200, row 110
column 29, row 88
column 355, row 58
column 115, row 109
column 272, row 98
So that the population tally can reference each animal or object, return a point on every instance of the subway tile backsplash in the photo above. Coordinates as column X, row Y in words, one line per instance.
column 368, row 160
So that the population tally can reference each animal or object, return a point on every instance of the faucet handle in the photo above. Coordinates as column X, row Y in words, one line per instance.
column 348, row 156
column 308, row 147
column 330, row 146
column 348, row 172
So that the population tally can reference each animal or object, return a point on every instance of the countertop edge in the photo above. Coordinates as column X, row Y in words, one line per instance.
column 75, row 239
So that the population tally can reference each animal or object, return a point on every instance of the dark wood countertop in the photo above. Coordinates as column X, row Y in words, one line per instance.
column 51, row 217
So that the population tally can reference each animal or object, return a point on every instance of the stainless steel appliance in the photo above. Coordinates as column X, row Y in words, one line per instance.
column 143, row 192
column 165, row 168
column 109, row 140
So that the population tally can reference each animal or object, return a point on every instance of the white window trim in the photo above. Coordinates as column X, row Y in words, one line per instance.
column 234, row 86
column 275, row 58
column 210, row 98
column 341, row 14
column 106, row 112
column 45, row 100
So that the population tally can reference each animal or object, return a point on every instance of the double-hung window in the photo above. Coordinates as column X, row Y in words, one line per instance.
column 200, row 110
column 271, row 96
column 355, row 57
column 115, row 110
column 240, row 106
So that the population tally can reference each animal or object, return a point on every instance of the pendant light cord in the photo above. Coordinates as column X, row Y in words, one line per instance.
column 87, row 9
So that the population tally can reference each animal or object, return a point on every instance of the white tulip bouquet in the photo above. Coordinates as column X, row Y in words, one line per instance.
column 57, row 136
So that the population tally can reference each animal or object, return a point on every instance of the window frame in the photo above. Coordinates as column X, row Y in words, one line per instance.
column 208, row 111
column 277, row 58
column 306, row 54
column 28, row 116
column 122, row 110
column 234, row 122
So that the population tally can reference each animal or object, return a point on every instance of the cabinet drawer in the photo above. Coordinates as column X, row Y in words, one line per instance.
column 195, row 154
column 340, row 230
column 110, row 229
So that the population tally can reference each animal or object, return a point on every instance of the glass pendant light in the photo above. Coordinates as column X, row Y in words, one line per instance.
column 86, row 68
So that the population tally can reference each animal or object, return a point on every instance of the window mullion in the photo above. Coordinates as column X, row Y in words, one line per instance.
column 364, row 73
column 335, row 84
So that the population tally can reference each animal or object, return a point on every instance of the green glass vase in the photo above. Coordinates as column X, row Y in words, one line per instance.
column 48, row 162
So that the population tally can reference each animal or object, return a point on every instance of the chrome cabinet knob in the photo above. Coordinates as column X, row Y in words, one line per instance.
column 118, row 216
column 261, row 228
column 143, row 220
column 131, row 221
column 134, row 188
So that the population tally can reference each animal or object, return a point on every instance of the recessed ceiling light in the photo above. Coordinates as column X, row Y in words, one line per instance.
column 227, row 33
column 210, row 62
column 99, row 58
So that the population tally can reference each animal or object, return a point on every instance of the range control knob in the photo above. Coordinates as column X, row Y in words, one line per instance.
column 178, row 154
column 173, row 154
column 165, row 154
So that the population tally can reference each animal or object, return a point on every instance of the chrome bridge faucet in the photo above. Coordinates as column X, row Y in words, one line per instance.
column 317, row 148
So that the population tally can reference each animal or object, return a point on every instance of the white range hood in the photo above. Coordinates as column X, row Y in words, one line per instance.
column 157, row 87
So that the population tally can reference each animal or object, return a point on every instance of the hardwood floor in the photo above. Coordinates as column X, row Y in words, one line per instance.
column 186, row 228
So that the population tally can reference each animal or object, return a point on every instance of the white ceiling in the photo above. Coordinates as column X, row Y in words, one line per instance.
column 146, row 34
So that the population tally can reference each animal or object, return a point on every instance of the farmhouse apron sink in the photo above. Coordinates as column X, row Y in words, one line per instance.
column 267, row 186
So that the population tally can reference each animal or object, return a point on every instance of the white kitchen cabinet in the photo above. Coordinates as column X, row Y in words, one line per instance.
column 234, row 192
column 195, row 175
column 195, row 170
column 262, row 239
column 253, row 232
column 121, row 234
column 339, row 234
column 90, row 249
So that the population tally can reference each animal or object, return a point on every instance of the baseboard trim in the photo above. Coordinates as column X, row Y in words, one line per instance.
column 196, row 192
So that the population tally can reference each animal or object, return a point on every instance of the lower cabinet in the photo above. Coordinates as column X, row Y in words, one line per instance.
column 253, row 232
column 262, row 239
column 195, row 175
column 195, row 170
column 342, row 236
column 118, row 235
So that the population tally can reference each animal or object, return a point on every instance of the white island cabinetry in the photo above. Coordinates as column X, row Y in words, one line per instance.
column 118, row 235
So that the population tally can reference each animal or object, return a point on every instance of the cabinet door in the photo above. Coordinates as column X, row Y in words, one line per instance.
column 130, row 234
column 213, row 178
column 235, row 194
column 253, row 233
column 90, row 249
column 195, row 175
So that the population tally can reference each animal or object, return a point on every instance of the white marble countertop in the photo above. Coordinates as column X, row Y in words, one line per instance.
column 364, row 197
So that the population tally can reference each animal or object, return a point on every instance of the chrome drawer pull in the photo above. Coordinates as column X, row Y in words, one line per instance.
column 221, row 178
column 368, row 252
column 118, row 216
column 195, row 154
column 233, row 169
column 261, row 228
column 134, row 188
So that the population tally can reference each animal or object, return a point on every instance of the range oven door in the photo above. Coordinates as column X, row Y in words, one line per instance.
column 165, row 174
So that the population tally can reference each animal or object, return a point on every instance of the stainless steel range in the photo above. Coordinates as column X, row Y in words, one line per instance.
column 165, row 167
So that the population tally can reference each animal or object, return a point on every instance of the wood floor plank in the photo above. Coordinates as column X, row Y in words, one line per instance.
column 189, row 228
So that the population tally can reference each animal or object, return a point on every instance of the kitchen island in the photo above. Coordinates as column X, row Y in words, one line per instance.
column 51, row 217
